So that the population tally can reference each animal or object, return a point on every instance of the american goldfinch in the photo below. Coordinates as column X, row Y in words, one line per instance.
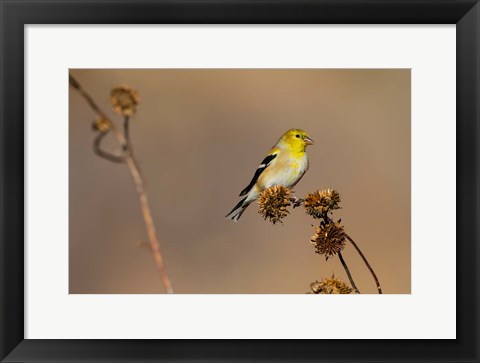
column 284, row 165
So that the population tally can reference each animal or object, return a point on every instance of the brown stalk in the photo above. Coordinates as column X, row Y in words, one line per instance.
column 139, row 185
column 104, row 154
column 344, row 264
column 379, row 288
column 298, row 202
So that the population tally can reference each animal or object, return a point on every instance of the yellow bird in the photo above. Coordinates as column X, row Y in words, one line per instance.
column 284, row 165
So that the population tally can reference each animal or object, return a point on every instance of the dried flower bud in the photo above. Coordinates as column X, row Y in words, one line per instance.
column 321, row 202
column 273, row 203
column 101, row 124
column 329, row 239
column 330, row 286
column 124, row 100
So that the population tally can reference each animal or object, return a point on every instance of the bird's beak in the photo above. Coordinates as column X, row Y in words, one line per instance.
column 308, row 141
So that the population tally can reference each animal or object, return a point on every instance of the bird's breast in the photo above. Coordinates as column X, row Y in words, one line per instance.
column 287, row 171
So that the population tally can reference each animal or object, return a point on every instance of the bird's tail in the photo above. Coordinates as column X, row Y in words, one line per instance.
column 237, row 211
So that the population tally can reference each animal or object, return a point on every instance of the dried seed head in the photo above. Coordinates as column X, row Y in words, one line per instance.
column 101, row 124
column 273, row 203
column 321, row 202
column 330, row 286
column 124, row 100
column 329, row 239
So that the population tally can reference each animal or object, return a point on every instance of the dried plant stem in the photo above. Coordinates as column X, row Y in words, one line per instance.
column 126, row 132
column 149, row 224
column 139, row 185
column 379, row 288
column 344, row 264
column 298, row 202
column 104, row 154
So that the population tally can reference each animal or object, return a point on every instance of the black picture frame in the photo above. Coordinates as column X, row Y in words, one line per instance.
column 16, row 14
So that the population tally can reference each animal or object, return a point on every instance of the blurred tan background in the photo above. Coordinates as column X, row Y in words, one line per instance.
column 199, row 136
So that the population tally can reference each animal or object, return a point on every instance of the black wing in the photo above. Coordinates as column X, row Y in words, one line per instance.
column 266, row 162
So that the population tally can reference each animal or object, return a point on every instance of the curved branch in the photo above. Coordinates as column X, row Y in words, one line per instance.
column 104, row 154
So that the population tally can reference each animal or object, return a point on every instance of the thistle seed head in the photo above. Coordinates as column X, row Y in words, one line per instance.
column 273, row 203
column 330, row 286
column 329, row 239
column 101, row 124
column 124, row 100
column 321, row 202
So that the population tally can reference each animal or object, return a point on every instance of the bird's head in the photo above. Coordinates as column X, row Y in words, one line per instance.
column 295, row 140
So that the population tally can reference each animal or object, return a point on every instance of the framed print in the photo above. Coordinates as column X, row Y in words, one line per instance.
column 350, row 131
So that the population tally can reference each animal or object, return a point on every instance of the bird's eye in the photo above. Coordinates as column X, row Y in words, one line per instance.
column 297, row 136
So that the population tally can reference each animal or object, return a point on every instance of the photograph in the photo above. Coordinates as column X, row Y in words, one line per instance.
column 182, row 178
column 239, row 181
